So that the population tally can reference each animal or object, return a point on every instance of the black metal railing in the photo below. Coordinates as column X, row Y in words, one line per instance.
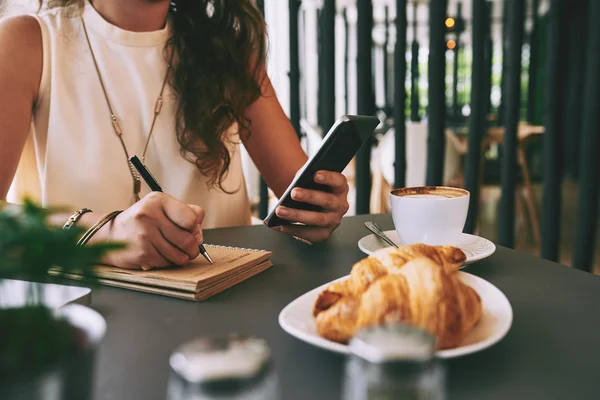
column 533, row 61
column 584, row 91
column 477, row 123
column 437, row 92
column 327, row 65
column 587, row 215
column 512, row 90
column 414, row 70
column 365, row 100
column 400, row 95
column 552, row 193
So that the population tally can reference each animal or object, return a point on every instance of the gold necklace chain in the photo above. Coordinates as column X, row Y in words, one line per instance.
column 115, row 122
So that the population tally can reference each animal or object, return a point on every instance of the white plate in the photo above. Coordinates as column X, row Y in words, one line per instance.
column 475, row 247
column 297, row 319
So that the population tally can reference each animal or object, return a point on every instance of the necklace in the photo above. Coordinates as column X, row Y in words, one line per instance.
column 115, row 121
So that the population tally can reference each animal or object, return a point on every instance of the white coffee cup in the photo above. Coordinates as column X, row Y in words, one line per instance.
column 434, row 215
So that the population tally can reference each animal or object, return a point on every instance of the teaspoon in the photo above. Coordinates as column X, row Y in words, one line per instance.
column 373, row 227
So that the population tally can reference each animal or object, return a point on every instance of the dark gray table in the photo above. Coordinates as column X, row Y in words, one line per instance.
column 552, row 350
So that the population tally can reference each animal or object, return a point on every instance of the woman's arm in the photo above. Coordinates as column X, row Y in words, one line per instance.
column 276, row 151
column 21, row 63
column 20, row 74
column 273, row 144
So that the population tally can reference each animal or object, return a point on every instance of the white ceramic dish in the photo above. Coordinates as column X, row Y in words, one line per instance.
column 297, row 320
column 475, row 247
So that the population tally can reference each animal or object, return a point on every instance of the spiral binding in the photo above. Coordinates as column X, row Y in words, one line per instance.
column 218, row 246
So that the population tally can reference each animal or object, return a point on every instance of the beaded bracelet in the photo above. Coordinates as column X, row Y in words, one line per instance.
column 97, row 226
column 75, row 217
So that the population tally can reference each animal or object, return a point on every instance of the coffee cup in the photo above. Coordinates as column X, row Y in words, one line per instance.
column 434, row 215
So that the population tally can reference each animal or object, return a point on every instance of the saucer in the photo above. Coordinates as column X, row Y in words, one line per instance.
column 475, row 247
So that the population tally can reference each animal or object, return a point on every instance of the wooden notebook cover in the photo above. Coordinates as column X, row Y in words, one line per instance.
column 194, row 277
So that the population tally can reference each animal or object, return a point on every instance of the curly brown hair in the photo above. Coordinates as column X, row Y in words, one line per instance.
column 219, row 49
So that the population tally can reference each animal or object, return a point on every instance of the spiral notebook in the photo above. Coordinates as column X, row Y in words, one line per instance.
column 198, row 280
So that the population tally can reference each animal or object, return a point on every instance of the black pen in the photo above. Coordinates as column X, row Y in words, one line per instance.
column 155, row 187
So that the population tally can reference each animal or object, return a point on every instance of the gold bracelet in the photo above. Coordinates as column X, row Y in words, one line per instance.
column 75, row 217
column 96, row 227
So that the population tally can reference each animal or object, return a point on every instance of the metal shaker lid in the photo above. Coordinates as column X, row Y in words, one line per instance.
column 220, row 357
column 393, row 342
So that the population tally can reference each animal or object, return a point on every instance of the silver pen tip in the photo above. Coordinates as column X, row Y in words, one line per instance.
column 208, row 258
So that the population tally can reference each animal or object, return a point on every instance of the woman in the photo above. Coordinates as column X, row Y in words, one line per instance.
column 86, row 84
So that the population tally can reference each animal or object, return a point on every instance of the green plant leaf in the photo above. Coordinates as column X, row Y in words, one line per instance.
column 30, row 246
column 31, row 338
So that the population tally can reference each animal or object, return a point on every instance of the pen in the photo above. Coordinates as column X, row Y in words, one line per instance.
column 155, row 187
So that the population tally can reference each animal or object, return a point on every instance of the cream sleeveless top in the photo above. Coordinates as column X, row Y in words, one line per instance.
column 73, row 157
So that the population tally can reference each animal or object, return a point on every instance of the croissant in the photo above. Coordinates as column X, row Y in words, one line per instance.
column 338, row 323
column 420, row 292
column 423, row 295
column 383, row 262
column 449, row 257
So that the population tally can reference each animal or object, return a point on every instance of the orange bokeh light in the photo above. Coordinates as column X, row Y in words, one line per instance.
column 451, row 44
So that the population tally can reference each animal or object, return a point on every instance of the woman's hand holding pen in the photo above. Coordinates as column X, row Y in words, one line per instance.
column 159, row 230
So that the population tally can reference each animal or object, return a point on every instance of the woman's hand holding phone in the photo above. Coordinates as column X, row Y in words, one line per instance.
column 317, row 226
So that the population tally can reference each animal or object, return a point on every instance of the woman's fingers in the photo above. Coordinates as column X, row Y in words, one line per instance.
column 336, row 181
column 152, row 258
column 181, row 229
column 199, row 213
column 185, row 241
column 168, row 251
column 180, row 213
column 322, row 219
column 317, row 226
column 199, row 219
column 160, row 231
column 327, row 201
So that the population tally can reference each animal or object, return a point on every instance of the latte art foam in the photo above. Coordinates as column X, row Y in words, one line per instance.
column 427, row 196
column 430, row 192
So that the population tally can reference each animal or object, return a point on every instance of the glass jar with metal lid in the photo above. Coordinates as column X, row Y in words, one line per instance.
column 225, row 366
column 393, row 362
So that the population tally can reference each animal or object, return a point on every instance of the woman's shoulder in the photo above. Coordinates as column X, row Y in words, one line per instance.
column 20, row 39
column 23, row 29
column 21, row 54
column 36, row 25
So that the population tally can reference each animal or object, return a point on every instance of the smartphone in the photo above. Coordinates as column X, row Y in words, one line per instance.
column 337, row 149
